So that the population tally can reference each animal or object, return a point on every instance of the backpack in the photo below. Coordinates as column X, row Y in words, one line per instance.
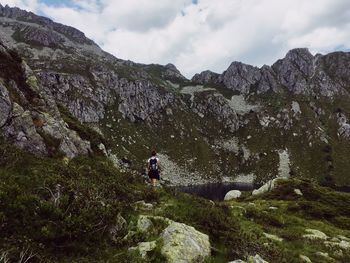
column 153, row 164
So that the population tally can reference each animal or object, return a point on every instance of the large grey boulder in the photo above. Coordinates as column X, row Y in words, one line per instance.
column 184, row 244
column 233, row 194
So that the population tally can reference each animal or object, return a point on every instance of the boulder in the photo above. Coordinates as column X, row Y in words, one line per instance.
column 233, row 194
column 270, row 185
column 315, row 234
column 273, row 237
column 142, row 205
column 256, row 259
column 305, row 259
column 184, row 244
column 298, row 192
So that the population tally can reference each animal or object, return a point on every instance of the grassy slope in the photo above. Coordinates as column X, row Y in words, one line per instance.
column 93, row 192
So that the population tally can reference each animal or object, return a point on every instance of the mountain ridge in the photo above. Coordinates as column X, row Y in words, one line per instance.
column 238, row 122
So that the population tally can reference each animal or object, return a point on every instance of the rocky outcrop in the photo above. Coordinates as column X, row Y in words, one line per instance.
column 5, row 105
column 171, row 72
column 205, row 77
column 295, row 70
column 29, row 116
column 16, row 13
column 240, row 77
column 217, row 106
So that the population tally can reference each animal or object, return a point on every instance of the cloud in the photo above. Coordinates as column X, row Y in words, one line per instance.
column 204, row 34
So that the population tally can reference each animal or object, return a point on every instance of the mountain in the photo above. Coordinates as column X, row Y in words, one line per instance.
column 77, row 124
column 247, row 123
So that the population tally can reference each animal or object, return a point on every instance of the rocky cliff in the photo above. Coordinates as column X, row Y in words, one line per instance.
column 247, row 122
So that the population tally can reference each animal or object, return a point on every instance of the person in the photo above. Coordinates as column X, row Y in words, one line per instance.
column 153, row 168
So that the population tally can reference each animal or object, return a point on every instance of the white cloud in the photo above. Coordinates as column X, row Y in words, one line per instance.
column 30, row 5
column 207, row 35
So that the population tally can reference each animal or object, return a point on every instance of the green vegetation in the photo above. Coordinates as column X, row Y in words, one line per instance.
column 62, row 212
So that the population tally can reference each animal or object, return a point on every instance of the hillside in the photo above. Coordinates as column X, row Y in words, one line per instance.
column 245, row 121
column 77, row 124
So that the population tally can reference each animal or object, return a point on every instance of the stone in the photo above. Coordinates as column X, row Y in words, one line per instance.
column 256, row 259
column 233, row 194
column 343, row 238
column 342, row 244
column 102, row 148
column 315, row 234
column 323, row 255
column 273, row 237
column 142, row 205
column 183, row 243
column 119, row 229
column 237, row 261
column 5, row 105
column 144, row 223
column 269, row 186
column 305, row 259
column 298, row 192
column 144, row 247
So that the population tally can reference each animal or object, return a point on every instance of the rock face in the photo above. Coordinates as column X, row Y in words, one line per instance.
column 293, row 104
column 184, row 244
column 206, row 77
column 29, row 117
column 240, row 77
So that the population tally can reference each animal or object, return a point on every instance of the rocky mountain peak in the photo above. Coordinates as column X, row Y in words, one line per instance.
column 205, row 77
column 172, row 72
column 25, row 16
column 240, row 76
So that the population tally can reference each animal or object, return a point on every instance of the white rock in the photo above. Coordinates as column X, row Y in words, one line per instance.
column 256, row 259
column 342, row 244
column 323, row 254
column 142, row 205
column 233, row 194
column 343, row 238
column 305, row 259
column 298, row 192
column 270, row 185
column 315, row 234
column 273, row 237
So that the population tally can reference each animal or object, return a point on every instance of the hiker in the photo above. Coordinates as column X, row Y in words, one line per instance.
column 153, row 168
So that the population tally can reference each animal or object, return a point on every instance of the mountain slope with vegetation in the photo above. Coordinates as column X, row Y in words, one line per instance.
column 77, row 125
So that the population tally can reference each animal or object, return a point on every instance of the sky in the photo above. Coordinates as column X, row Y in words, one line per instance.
column 198, row 35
